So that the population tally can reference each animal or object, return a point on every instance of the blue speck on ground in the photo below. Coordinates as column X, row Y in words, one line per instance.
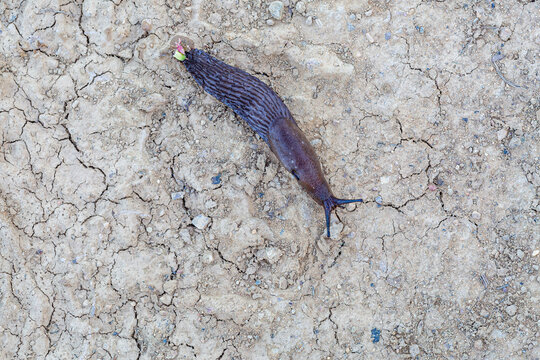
column 176, row 195
column 115, row 333
column 350, row 27
column 164, row 341
column 387, row 36
column 216, row 179
column 257, row 282
column 505, row 151
column 74, row 261
column 378, row 199
column 375, row 335
column 261, row 194
column 493, row 5
column 372, row 285
column 163, row 114
column 465, row 119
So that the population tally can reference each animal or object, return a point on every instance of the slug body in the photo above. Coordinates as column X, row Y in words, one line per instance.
column 267, row 115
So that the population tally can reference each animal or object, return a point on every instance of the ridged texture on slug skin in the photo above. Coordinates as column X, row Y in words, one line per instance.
column 247, row 96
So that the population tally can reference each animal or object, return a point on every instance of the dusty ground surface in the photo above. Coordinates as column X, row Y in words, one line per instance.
column 111, row 154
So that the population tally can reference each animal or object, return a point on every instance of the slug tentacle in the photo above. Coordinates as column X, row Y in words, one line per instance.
column 265, row 113
column 330, row 204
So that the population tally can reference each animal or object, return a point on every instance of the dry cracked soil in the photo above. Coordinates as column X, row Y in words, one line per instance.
column 141, row 219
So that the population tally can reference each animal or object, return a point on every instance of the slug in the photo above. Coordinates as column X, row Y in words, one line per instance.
column 268, row 116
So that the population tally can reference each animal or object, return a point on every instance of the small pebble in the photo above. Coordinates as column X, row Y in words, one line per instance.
column 414, row 350
column 387, row 36
column 378, row 200
column 177, row 195
column 520, row 254
column 200, row 221
column 276, row 9
column 207, row 258
column 476, row 215
column 300, row 7
column 505, row 34
column 478, row 345
column 309, row 20
column 501, row 134
column 269, row 22
column 375, row 335
column 369, row 12
column 535, row 252
column 216, row 179
column 369, row 38
column 511, row 310
column 146, row 25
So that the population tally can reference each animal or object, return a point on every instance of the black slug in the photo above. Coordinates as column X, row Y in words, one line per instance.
column 265, row 112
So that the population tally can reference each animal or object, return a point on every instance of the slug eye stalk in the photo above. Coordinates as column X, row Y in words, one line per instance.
column 330, row 204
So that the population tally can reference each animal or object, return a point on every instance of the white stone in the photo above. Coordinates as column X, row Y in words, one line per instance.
column 200, row 221
column 300, row 7
column 511, row 310
column 505, row 34
column 276, row 9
